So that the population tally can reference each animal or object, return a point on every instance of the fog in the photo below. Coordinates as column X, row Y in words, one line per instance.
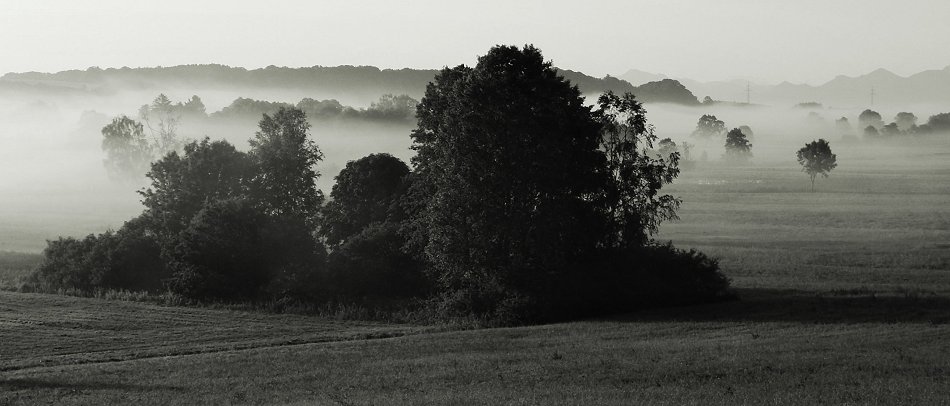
column 54, row 182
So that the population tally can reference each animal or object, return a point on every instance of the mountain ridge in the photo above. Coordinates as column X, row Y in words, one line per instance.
column 362, row 80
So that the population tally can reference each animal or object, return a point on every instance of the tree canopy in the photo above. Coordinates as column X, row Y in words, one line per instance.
column 285, row 160
column 738, row 147
column 521, row 181
column 366, row 191
column 709, row 126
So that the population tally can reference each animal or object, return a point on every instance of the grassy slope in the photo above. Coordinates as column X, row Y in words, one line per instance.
column 846, row 299
column 769, row 348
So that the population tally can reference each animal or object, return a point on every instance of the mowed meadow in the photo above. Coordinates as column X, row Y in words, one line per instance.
column 844, row 298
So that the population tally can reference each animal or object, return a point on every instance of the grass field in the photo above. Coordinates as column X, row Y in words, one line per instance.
column 845, row 299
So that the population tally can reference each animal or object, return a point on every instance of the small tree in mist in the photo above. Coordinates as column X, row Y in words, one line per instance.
column 870, row 118
column 738, row 148
column 162, row 119
column 709, row 126
column 844, row 127
column 666, row 147
column 905, row 121
column 128, row 153
column 816, row 159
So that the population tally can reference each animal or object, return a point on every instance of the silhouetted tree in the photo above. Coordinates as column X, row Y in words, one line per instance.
column 635, row 206
column 285, row 158
column 738, row 148
column 709, row 126
column 128, row 153
column 816, row 159
column 508, row 155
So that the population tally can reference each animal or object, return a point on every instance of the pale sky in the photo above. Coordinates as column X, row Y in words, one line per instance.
column 766, row 40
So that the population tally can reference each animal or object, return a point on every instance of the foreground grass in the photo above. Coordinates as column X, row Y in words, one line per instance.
column 771, row 348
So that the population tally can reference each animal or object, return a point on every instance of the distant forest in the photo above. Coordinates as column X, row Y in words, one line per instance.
column 342, row 79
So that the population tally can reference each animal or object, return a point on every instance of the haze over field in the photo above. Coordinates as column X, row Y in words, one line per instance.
column 50, row 140
column 335, row 202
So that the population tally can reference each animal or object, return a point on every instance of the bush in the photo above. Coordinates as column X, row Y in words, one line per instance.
column 233, row 251
column 136, row 262
column 371, row 266
column 128, row 259
column 219, row 255
column 614, row 282
column 71, row 263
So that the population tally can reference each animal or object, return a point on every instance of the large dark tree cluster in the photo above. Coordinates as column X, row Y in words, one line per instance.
column 522, row 204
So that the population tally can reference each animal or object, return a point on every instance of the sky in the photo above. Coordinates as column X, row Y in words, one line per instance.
column 768, row 41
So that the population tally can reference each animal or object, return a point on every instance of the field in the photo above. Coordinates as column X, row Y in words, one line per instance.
column 845, row 299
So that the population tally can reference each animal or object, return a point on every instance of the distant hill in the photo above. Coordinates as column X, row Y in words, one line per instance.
column 931, row 86
column 359, row 80
column 666, row 91
column 639, row 77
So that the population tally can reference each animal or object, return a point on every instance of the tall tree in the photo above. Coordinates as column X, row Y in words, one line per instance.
column 508, row 154
column 285, row 158
column 635, row 206
column 816, row 159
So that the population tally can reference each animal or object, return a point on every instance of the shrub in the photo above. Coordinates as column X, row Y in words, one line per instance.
column 233, row 251
column 372, row 266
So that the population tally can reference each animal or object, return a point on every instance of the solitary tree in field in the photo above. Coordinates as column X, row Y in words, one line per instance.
column 816, row 159
column 738, row 148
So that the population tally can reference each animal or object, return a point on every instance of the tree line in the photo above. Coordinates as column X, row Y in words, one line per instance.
column 522, row 204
